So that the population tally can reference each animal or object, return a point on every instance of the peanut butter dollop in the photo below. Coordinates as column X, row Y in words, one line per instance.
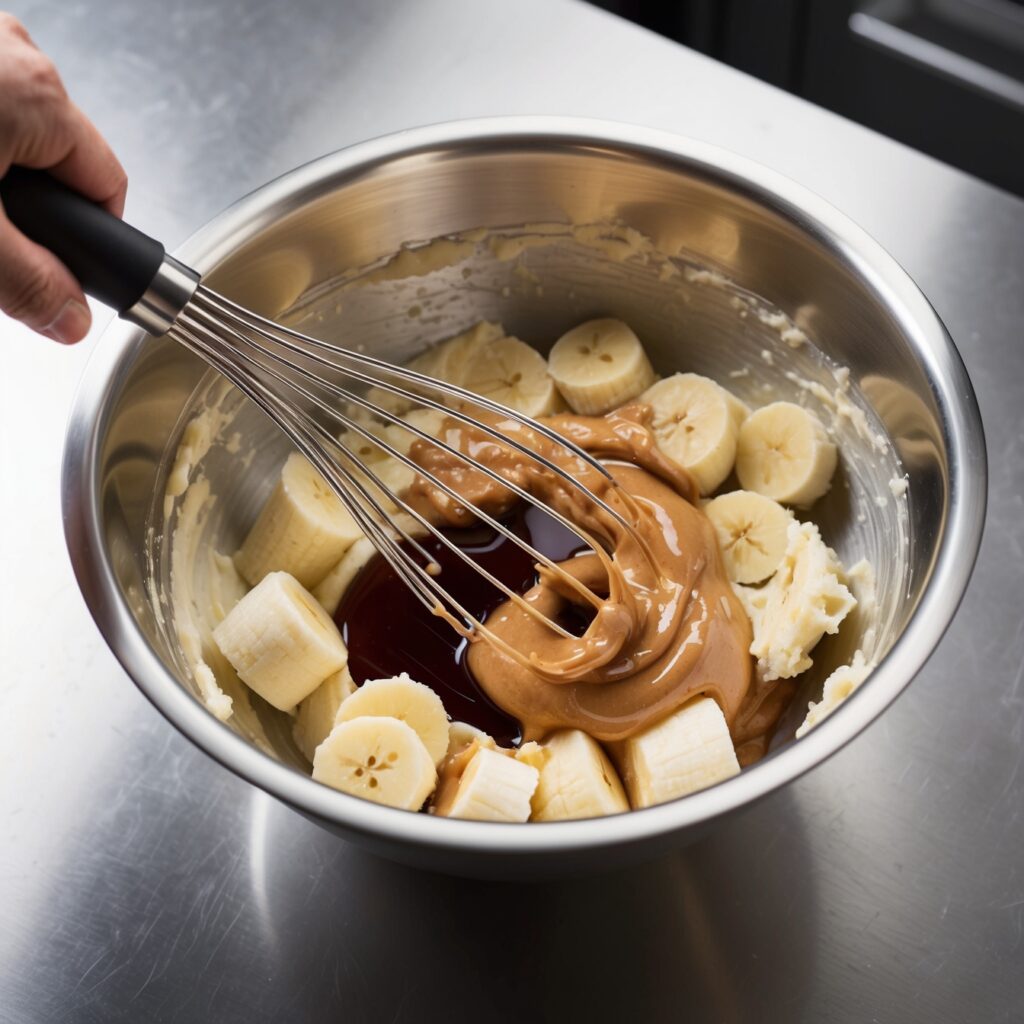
column 665, row 623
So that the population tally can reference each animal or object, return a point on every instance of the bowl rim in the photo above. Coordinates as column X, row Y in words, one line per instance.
column 961, row 426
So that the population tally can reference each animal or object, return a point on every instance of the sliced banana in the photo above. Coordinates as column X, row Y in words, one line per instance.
column 784, row 452
column 599, row 366
column 449, row 360
column 317, row 713
column 688, row 751
column 803, row 601
column 427, row 420
column 577, row 780
column 378, row 759
column 839, row 685
column 444, row 361
column 330, row 589
column 494, row 787
column 365, row 449
column 533, row 754
column 390, row 480
column 739, row 409
column 402, row 698
column 280, row 641
column 303, row 529
column 462, row 734
column 511, row 372
column 694, row 424
column 752, row 534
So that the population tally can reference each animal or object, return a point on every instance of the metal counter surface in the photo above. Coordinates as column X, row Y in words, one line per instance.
column 142, row 882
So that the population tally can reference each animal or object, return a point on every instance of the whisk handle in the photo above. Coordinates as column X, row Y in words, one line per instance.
column 113, row 262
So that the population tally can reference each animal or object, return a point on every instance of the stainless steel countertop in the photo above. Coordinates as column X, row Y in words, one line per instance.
column 140, row 881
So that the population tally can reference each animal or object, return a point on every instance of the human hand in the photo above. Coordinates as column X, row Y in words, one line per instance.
column 41, row 127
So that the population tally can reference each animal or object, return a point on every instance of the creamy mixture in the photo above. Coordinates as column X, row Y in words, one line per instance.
column 669, row 626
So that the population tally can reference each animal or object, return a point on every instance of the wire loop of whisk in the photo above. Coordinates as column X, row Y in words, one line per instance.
column 245, row 348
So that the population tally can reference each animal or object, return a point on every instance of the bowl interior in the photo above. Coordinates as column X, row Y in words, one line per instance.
column 715, row 276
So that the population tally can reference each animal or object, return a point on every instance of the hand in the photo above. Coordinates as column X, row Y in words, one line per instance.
column 41, row 127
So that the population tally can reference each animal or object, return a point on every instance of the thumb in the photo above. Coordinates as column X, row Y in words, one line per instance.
column 37, row 289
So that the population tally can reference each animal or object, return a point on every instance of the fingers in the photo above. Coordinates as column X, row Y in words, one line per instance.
column 37, row 289
column 89, row 165
column 43, row 128
column 40, row 127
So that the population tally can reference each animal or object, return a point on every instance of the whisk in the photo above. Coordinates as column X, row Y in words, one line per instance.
column 304, row 384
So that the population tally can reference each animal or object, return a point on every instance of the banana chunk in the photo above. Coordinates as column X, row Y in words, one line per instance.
column 365, row 449
column 494, row 787
column 752, row 534
column 599, row 365
column 533, row 754
column 688, row 751
column 577, row 780
column 739, row 409
column 444, row 361
column 448, row 361
column 694, row 423
column 784, row 453
column 378, row 759
column 280, row 641
column 839, row 685
column 511, row 372
column 389, row 481
column 402, row 698
column 803, row 601
column 317, row 713
column 332, row 587
column 462, row 735
column 427, row 420
column 303, row 529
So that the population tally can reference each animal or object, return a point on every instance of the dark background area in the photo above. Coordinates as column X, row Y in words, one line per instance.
column 944, row 76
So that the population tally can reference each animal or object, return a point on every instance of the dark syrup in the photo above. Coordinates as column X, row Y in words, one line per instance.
column 388, row 631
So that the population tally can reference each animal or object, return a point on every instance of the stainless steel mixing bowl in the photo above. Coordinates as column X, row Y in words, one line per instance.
column 703, row 207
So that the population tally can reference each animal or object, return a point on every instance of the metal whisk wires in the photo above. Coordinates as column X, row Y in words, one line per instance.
column 304, row 384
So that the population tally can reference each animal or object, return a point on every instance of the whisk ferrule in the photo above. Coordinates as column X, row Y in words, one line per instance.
column 168, row 294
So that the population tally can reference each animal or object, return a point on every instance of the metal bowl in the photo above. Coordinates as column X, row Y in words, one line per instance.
column 285, row 248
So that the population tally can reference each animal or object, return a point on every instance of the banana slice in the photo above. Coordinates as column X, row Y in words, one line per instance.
column 511, row 372
column 449, row 360
column 494, row 787
column 839, row 685
column 532, row 754
column 599, row 365
column 442, row 362
column 783, row 452
column 686, row 752
column 393, row 475
column 379, row 759
column 330, row 589
column 577, row 780
column 318, row 712
column 739, row 409
column 303, row 529
column 694, row 424
column 462, row 734
column 428, row 420
column 365, row 449
column 803, row 601
column 752, row 534
column 402, row 698
column 280, row 641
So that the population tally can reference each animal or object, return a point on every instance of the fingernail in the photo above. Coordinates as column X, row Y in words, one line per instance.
column 71, row 324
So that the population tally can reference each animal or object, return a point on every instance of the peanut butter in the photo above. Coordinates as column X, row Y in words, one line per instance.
column 666, row 624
